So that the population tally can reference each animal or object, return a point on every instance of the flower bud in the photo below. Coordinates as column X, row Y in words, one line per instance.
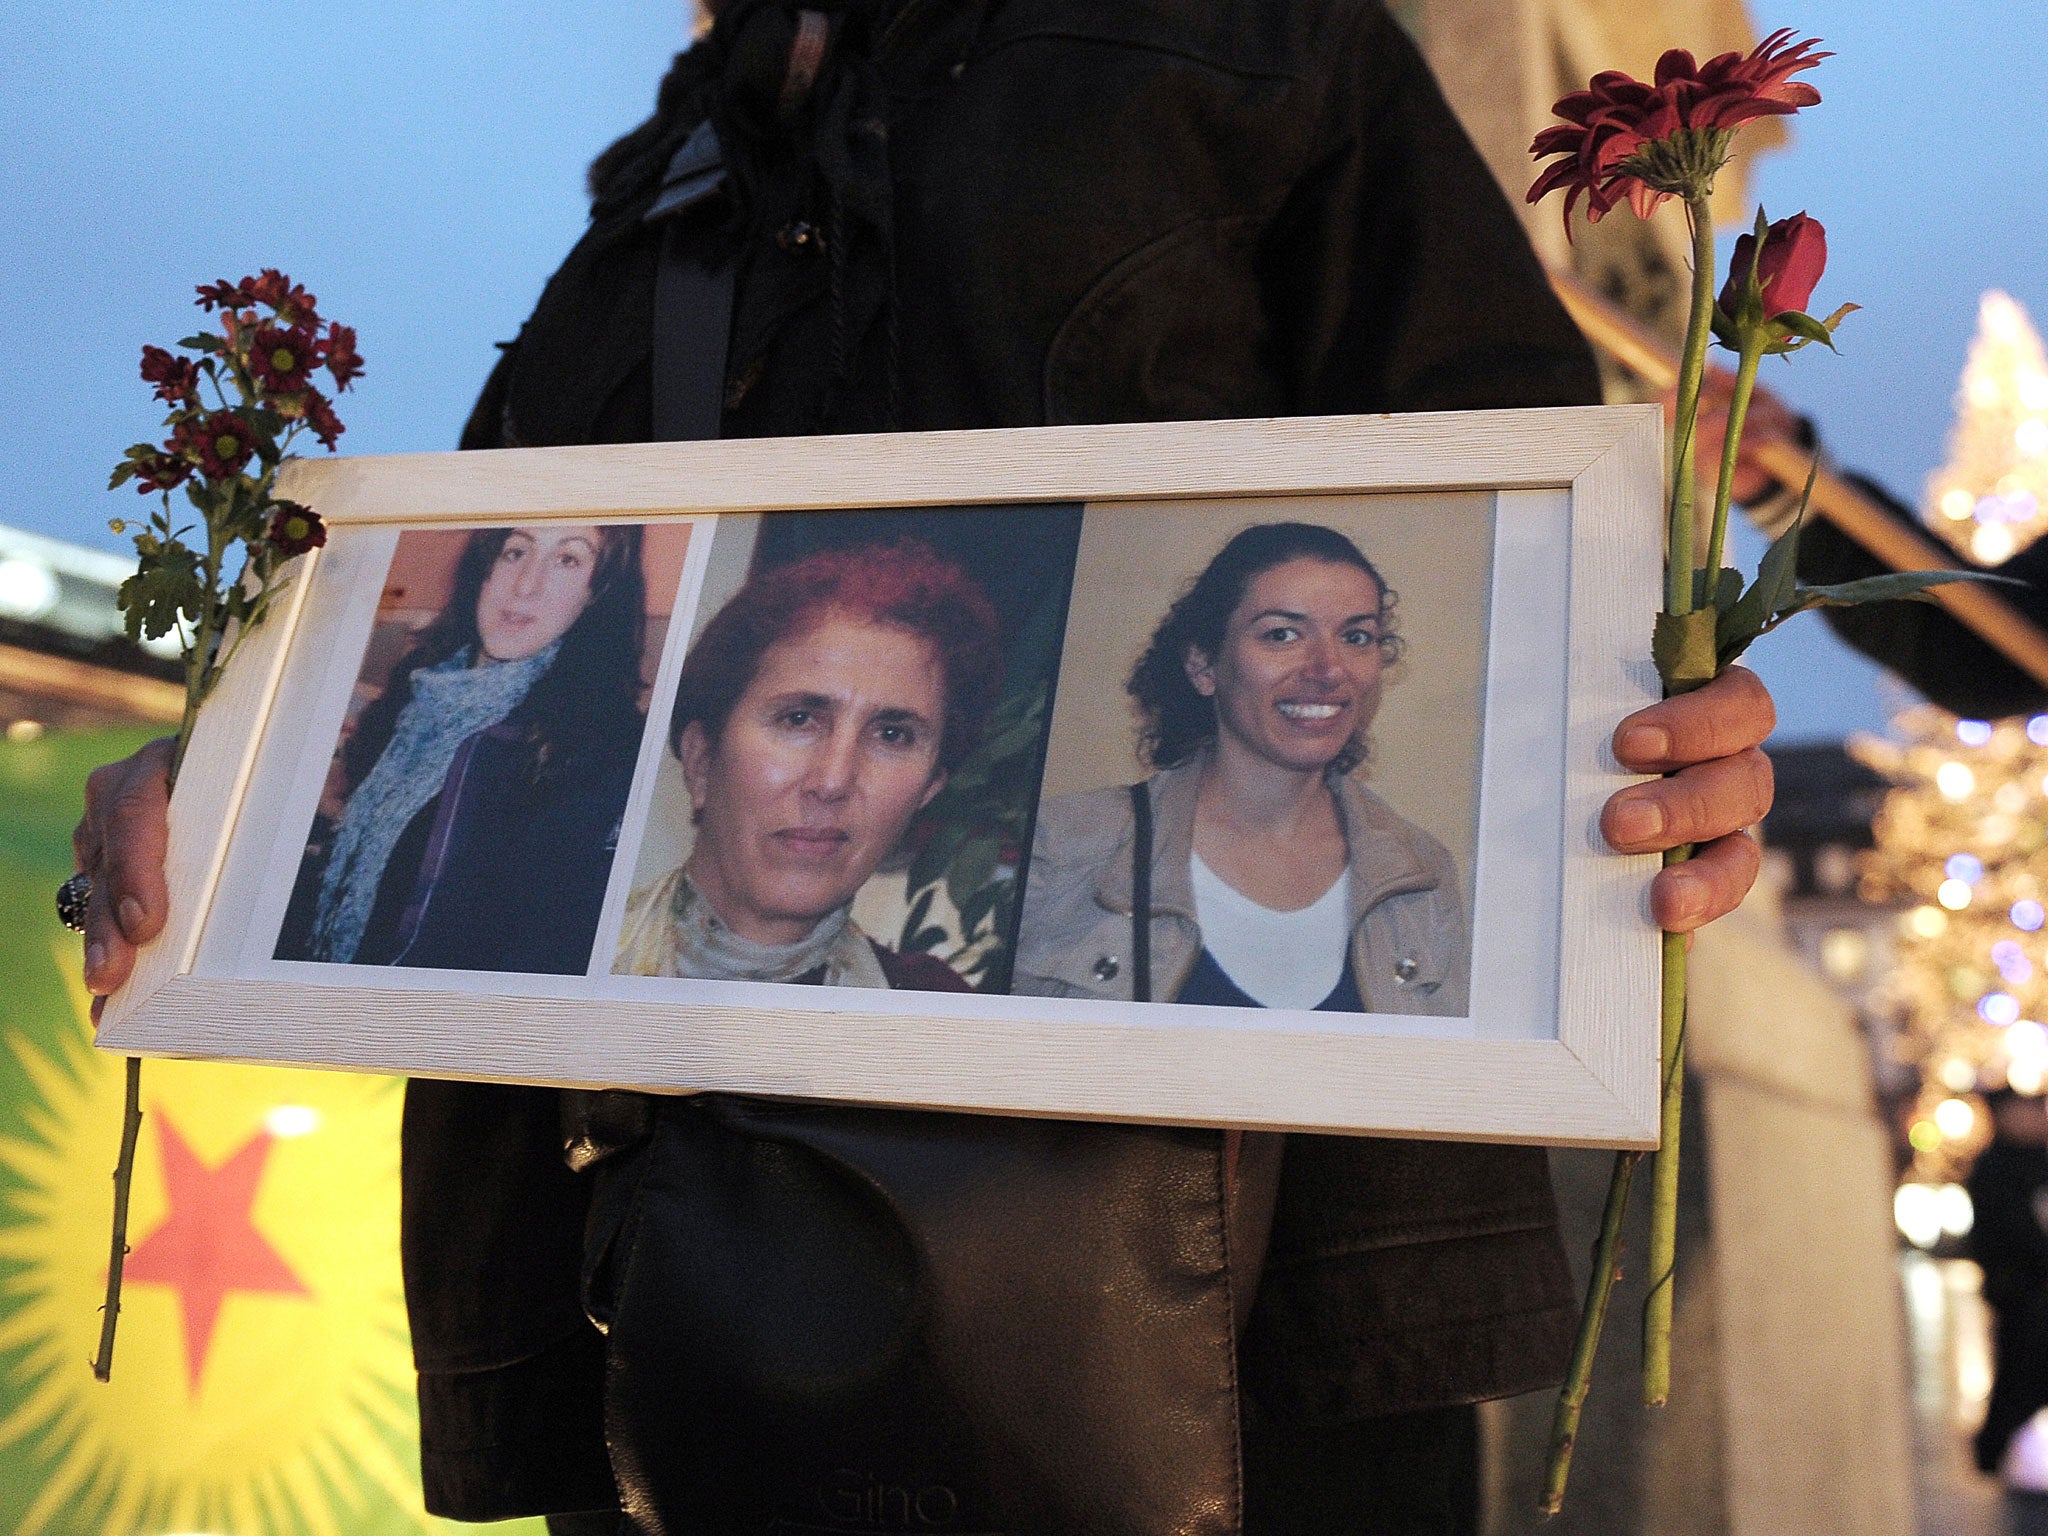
column 1794, row 256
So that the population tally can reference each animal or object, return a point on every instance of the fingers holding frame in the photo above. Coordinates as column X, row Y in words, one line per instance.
column 1710, row 884
column 1729, row 715
column 122, row 842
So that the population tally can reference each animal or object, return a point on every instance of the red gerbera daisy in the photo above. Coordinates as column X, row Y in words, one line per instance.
column 1622, row 138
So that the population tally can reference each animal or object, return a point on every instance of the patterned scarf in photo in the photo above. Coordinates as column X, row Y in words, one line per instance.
column 671, row 930
column 451, row 701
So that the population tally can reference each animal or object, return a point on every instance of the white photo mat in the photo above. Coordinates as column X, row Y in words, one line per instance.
column 1561, row 1042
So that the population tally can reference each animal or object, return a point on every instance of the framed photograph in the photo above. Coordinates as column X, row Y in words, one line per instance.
column 1241, row 773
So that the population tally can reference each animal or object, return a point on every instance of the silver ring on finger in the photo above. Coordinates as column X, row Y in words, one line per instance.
column 72, row 897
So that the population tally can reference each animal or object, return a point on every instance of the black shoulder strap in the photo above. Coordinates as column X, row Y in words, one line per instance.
column 1141, row 895
column 692, row 302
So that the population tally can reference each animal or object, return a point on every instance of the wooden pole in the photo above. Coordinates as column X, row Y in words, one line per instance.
column 1975, row 604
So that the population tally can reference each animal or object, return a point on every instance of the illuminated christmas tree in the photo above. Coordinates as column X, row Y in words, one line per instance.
column 1960, row 838
column 1991, row 498
column 1959, row 844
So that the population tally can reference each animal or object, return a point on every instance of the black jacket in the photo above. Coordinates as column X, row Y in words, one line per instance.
column 495, row 873
column 1104, row 210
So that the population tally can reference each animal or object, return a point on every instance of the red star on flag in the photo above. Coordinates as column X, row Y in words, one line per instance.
column 208, row 1245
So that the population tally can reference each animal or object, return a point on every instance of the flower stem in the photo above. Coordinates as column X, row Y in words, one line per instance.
column 1731, row 450
column 1564, row 1425
column 1692, row 369
column 198, row 677
column 1663, row 1256
column 117, row 1252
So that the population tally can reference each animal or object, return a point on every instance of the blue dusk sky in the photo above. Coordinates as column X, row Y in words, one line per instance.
column 420, row 168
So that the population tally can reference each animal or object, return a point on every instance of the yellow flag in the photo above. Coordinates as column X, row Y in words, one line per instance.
column 262, row 1380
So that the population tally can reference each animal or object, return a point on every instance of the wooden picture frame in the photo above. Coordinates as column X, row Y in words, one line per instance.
column 1560, row 1040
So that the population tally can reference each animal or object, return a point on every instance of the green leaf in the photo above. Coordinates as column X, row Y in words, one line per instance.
column 1893, row 586
column 979, row 907
column 1683, row 646
column 972, row 869
column 929, row 866
column 1793, row 323
column 914, row 920
column 165, row 589
column 205, row 341
column 1723, row 592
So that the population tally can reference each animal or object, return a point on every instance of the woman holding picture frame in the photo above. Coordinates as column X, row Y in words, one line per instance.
column 1079, row 213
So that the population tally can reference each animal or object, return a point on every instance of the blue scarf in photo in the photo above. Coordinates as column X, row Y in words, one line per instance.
column 451, row 701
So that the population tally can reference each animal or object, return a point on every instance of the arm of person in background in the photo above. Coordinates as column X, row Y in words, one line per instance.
column 1923, row 643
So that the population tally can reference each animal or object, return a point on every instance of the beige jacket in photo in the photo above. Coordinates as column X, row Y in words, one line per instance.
column 1410, row 951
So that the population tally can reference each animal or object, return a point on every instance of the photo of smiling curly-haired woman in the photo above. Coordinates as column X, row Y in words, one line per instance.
column 1235, row 812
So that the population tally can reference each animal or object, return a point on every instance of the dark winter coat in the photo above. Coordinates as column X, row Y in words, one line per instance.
column 1103, row 211
column 496, row 872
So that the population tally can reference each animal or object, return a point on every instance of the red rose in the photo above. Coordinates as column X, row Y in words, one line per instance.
column 1622, row 138
column 175, row 378
column 219, row 443
column 321, row 418
column 343, row 360
column 294, row 529
column 1795, row 254
column 283, row 358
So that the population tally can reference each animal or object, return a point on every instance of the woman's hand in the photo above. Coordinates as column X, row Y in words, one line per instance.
column 1720, row 783
column 121, row 844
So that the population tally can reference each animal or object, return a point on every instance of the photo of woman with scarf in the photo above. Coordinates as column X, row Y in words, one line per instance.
column 818, row 712
column 1250, row 869
column 480, row 790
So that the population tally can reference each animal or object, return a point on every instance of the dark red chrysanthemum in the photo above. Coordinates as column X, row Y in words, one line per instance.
column 225, row 295
column 283, row 358
column 176, row 378
column 219, row 443
column 1624, row 139
column 161, row 472
column 294, row 529
column 321, row 418
column 343, row 360
column 293, row 304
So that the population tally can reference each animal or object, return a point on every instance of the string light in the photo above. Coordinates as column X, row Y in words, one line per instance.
column 1960, row 847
